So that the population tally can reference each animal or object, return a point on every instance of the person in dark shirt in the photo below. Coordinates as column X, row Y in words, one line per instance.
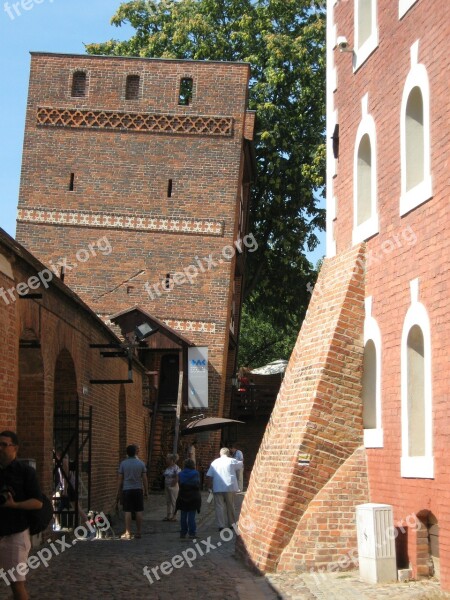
column 19, row 493
column 189, row 499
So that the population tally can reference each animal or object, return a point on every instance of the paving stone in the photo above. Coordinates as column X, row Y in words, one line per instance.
column 112, row 569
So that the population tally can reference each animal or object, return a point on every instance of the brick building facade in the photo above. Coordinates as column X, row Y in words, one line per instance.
column 157, row 155
column 49, row 368
column 363, row 416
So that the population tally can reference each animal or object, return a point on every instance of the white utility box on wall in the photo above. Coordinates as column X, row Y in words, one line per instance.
column 376, row 543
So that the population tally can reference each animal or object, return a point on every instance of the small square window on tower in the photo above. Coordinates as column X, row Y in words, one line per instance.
column 132, row 87
column 185, row 95
column 79, row 79
column 168, row 282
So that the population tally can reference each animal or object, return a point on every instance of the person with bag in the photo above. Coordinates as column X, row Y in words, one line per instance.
column 19, row 494
column 171, row 485
column 189, row 499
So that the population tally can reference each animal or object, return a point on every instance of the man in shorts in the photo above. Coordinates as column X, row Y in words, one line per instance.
column 19, row 493
column 132, row 487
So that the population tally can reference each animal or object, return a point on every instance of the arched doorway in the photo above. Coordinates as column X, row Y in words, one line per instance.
column 428, row 564
column 72, row 424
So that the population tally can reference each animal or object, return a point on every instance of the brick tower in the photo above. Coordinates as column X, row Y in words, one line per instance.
column 147, row 164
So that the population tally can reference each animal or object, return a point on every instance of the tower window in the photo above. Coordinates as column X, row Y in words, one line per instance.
column 79, row 79
column 185, row 96
column 132, row 87
column 72, row 182
column 167, row 282
column 169, row 188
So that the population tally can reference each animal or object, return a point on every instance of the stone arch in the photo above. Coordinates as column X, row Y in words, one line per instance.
column 427, row 545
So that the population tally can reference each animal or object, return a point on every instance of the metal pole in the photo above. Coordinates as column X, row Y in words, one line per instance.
column 178, row 413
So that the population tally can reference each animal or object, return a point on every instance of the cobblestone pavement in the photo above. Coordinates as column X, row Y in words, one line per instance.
column 112, row 569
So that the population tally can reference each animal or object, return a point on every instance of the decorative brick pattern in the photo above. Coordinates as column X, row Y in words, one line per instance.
column 145, row 123
column 197, row 326
column 119, row 221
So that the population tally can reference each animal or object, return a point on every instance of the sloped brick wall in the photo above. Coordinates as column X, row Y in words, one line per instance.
column 316, row 424
column 325, row 538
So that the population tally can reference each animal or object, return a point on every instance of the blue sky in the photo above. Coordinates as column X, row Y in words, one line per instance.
column 50, row 26
column 43, row 26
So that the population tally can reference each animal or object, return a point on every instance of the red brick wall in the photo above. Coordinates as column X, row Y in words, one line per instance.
column 9, row 349
column 317, row 417
column 325, row 537
column 63, row 366
column 388, row 273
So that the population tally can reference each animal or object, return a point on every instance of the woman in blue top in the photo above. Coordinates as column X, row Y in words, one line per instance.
column 189, row 498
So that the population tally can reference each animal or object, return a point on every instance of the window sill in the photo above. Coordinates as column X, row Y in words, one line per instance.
column 418, row 467
column 363, row 53
column 373, row 438
column 404, row 6
column 366, row 230
column 416, row 196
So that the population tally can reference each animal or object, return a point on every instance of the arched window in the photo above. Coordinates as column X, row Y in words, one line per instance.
column 365, row 216
column 414, row 139
column 371, row 381
column 417, row 427
column 366, row 30
column 415, row 391
column 364, row 180
column 132, row 87
column 79, row 84
column 416, row 183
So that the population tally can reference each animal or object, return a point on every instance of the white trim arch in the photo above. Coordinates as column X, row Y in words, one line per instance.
column 365, row 215
column 417, row 466
column 373, row 436
column 415, row 143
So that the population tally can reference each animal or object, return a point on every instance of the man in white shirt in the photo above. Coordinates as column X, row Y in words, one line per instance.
column 222, row 480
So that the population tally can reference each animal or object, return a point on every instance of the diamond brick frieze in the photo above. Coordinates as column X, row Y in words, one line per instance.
column 143, row 122
column 120, row 221
column 193, row 326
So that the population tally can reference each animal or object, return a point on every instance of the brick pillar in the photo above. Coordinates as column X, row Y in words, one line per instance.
column 316, row 424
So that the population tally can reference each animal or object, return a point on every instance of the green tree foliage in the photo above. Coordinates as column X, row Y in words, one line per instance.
column 261, row 342
column 283, row 40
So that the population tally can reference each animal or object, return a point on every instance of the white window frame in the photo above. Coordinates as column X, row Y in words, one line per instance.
column 361, row 54
column 423, row 191
column 373, row 438
column 370, row 226
column 404, row 6
column 417, row 466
